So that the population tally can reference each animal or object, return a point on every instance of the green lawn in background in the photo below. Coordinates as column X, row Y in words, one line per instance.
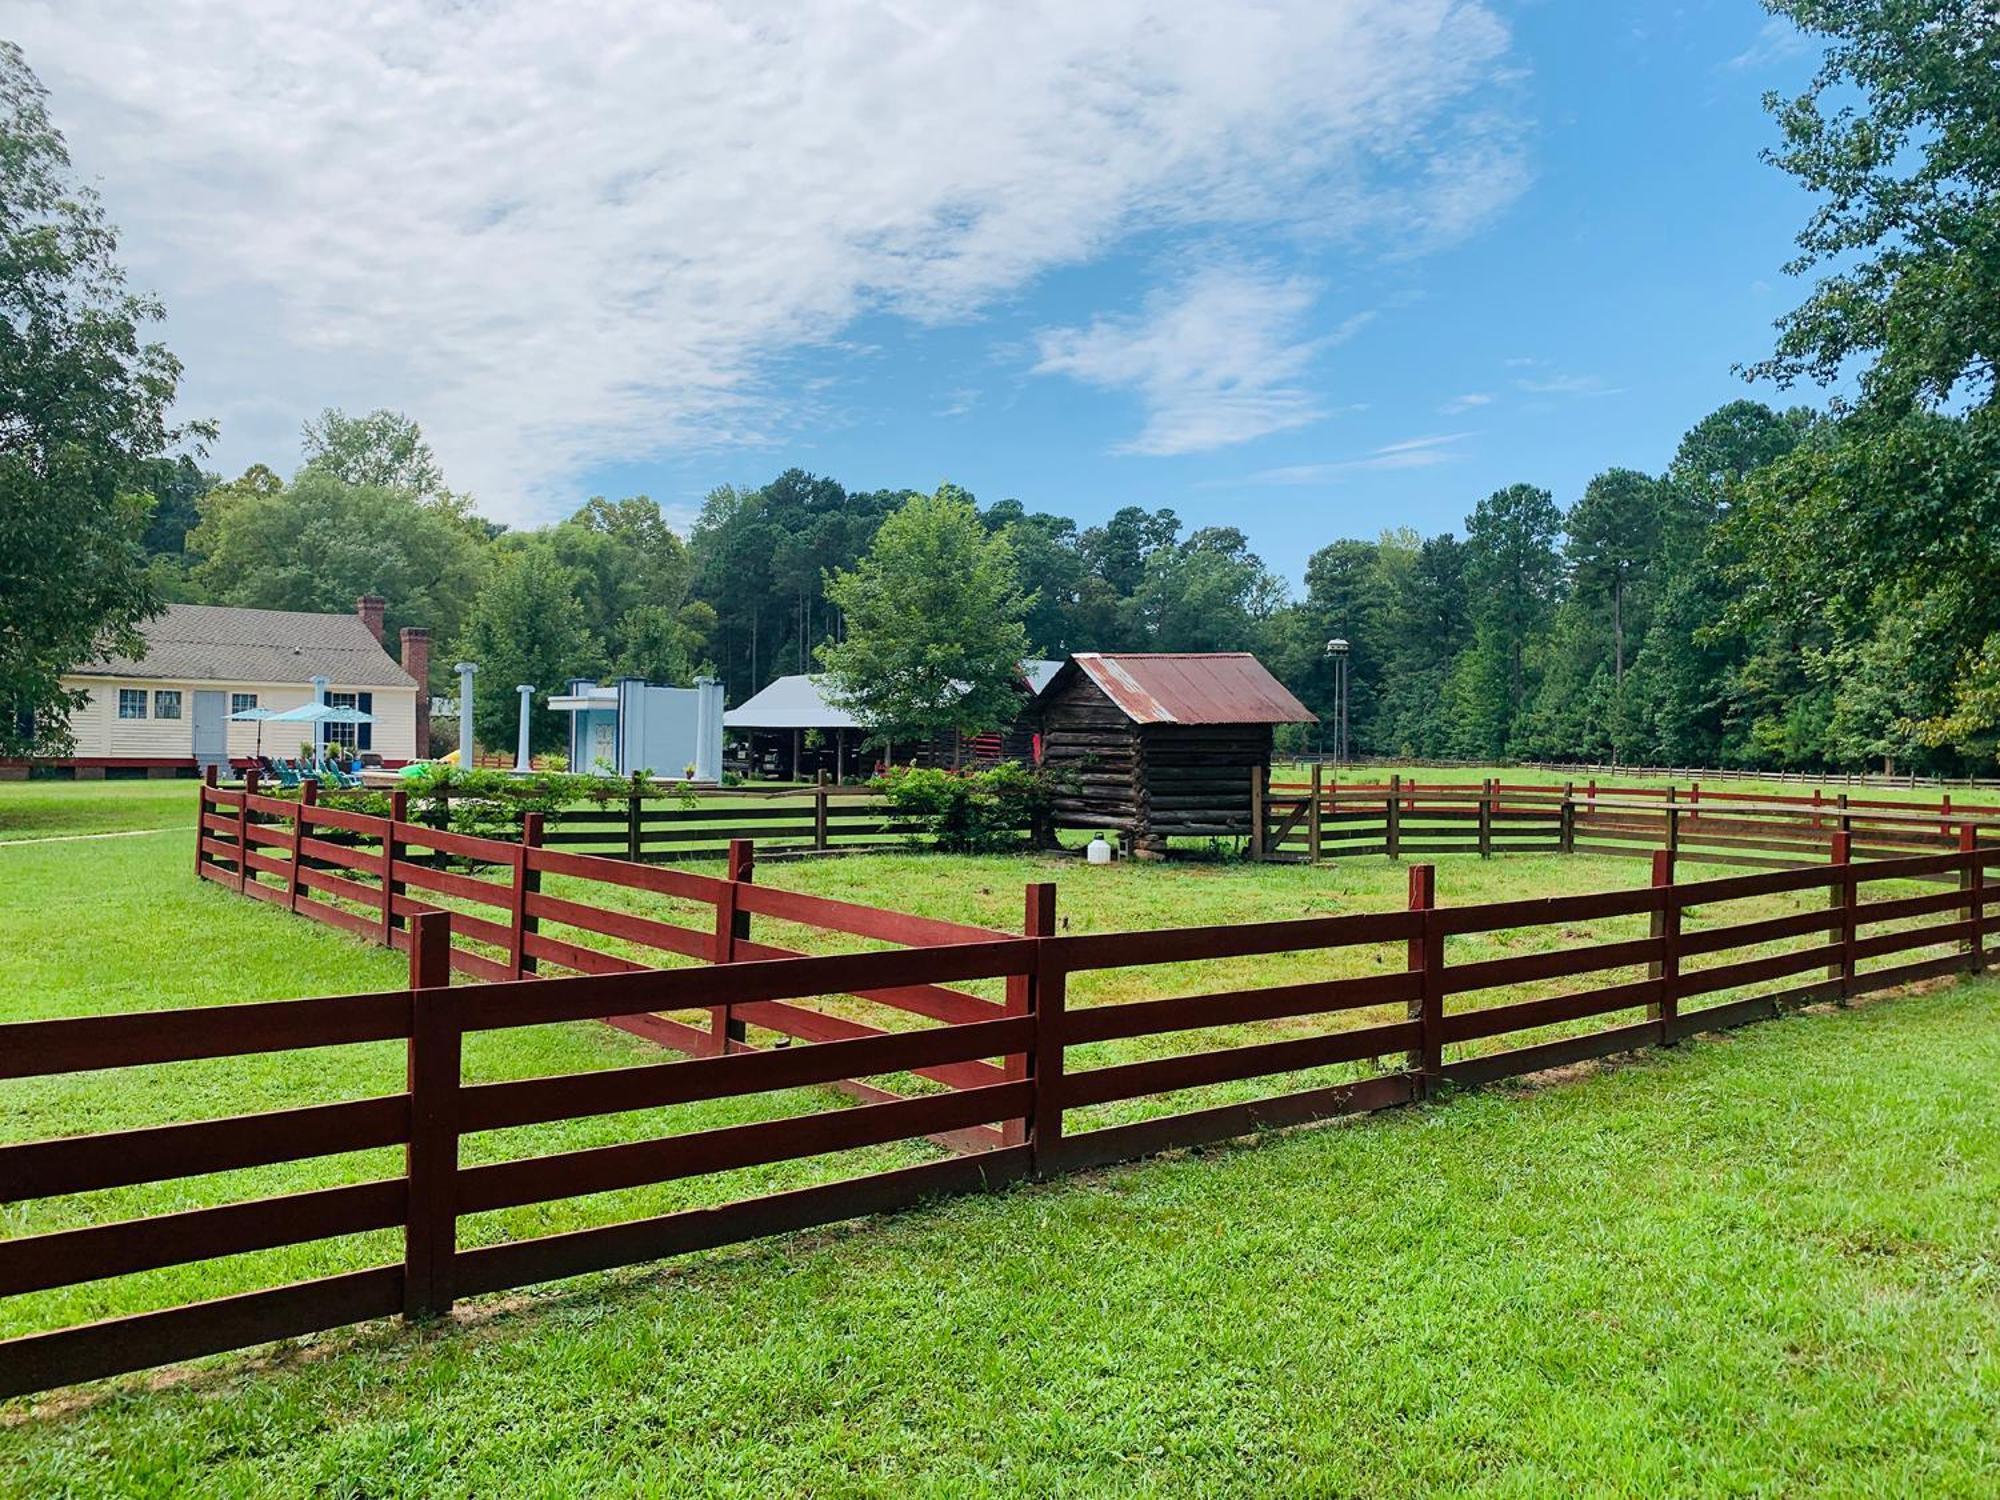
column 1756, row 1263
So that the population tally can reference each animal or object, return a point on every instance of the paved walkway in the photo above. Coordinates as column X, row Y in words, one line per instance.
column 70, row 838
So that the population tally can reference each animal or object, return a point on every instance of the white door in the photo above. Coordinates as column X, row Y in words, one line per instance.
column 211, row 731
column 603, row 743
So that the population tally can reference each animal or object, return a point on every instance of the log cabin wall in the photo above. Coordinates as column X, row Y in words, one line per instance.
column 1152, row 782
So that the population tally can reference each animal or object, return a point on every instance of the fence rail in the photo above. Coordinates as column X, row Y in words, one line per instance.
column 1322, row 820
column 1027, row 1091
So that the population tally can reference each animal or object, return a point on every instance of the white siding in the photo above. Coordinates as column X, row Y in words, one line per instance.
column 100, row 733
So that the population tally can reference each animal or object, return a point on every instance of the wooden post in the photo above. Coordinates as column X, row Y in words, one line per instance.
column 1426, row 956
column 308, row 798
column 1312, row 816
column 1392, row 828
column 633, row 827
column 1667, row 933
column 1673, row 824
column 1256, row 813
column 1486, row 818
column 1050, row 995
column 243, row 829
column 819, row 812
column 1842, row 898
column 201, row 806
column 392, row 851
column 1038, row 920
column 1971, row 880
column 431, row 1159
column 1566, row 826
column 732, row 926
column 1817, row 798
column 527, row 881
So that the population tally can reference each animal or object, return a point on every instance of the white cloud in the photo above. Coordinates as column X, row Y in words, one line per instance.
column 1216, row 359
column 1410, row 453
column 1466, row 402
column 1570, row 385
column 561, row 234
column 1776, row 40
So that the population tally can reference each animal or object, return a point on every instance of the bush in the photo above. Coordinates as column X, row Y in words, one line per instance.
column 968, row 812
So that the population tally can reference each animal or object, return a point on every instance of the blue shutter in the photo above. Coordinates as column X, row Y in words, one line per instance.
column 364, row 734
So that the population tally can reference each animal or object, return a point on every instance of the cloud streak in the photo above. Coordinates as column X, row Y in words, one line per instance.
column 565, row 235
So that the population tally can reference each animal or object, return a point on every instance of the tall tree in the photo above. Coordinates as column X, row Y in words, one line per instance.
column 84, row 404
column 1514, row 572
column 935, row 634
column 527, row 627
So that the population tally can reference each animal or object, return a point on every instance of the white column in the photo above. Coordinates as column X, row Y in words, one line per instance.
column 465, row 671
column 522, row 760
column 708, row 730
column 319, row 687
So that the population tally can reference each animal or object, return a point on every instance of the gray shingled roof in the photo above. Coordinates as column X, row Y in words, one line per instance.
column 217, row 643
column 797, row 702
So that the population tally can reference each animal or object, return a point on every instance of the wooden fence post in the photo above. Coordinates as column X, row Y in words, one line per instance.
column 819, row 813
column 243, row 829
column 634, row 829
column 1673, row 823
column 392, row 850
column 1050, row 1000
column 1392, row 828
column 1256, row 813
column 1972, row 880
column 527, row 881
column 430, row 1226
column 201, row 809
column 1667, row 933
column 732, row 926
column 1844, row 894
column 1426, row 956
column 1312, row 816
column 1038, row 920
column 308, row 798
column 1566, row 827
column 1486, row 818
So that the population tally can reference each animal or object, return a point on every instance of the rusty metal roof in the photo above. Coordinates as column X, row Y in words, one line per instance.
column 1192, row 687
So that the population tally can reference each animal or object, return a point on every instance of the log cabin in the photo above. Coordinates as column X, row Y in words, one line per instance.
column 1160, row 745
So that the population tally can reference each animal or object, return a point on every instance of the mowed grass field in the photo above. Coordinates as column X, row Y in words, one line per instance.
column 1761, row 1262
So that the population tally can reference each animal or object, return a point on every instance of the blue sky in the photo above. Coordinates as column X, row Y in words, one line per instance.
column 1311, row 268
column 1588, row 324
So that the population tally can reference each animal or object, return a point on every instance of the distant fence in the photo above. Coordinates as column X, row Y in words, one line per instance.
column 1910, row 779
column 1016, row 1073
column 1760, row 830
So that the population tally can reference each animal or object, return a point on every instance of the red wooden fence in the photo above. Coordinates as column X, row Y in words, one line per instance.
column 1035, row 1108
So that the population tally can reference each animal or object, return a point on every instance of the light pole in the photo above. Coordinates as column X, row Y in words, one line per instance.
column 1336, row 651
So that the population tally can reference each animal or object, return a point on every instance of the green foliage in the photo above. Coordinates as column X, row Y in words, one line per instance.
column 934, row 637
column 320, row 542
column 968, row 812
column 84, row 416
column 528, row 626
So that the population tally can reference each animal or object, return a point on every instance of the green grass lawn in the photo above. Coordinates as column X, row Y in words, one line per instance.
column 1762, row 1263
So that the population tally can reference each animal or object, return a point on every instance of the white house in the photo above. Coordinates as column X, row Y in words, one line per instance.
column 166, row 712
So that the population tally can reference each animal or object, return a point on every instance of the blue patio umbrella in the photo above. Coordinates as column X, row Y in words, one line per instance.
column 256, row 716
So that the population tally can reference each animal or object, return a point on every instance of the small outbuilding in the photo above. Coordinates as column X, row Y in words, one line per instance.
column 1160, row 745
column 634, row 725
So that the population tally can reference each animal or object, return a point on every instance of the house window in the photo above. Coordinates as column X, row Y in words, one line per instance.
column 131, row 703
column 341, row 734
column 240, row 703
column 167, row 703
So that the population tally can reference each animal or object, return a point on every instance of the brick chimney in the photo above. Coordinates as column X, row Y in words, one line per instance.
column 417, row 662
column 371, row 607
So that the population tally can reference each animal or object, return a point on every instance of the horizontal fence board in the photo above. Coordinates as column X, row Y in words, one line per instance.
column 333, row 916
column 30, row 1049
column 654, row 878
column 39, row 1361
column 492, row 1106
column 861, row 921
column 339, row 885
column 1757, row 970
column 156, row 1153
column 1550, row 1010
column 1557, row 1054
column 66, row 1257
column 697, row 1153
column 1542, row 911
column 1883, row 943
column 1751, row 934
column 669, row 937
column 524, row 1262
column 1202, row 1127
column 1526, row 968
column 342, row 855
column 444, row 883
column 1226, row 1065
column 1114, row 950
column 1100, row 1023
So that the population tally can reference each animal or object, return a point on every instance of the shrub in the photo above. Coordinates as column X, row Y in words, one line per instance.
column 968, row 812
